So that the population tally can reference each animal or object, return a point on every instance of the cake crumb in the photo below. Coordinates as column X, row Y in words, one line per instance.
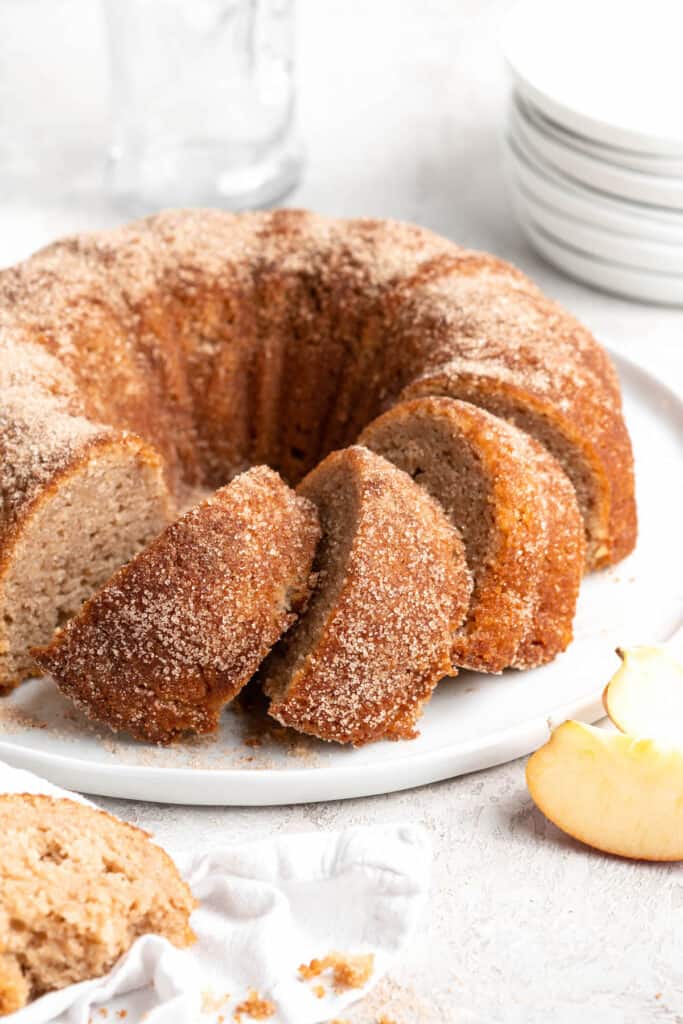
column 212, row 1002
column 122, row 1014
column 255, row 1007
column 347, row 971
column 319, row 991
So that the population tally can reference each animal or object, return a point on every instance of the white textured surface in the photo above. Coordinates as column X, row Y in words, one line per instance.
column 402, row 109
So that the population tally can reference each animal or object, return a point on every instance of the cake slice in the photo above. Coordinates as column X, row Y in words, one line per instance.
column 77, row 888
column 517, row 514
column 177, row 632
column 392, row 588
column 595, row 453
column 107, row 497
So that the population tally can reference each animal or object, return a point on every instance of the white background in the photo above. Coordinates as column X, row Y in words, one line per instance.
column 401, row 109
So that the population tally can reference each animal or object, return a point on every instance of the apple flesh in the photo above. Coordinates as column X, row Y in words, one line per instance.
column 613, row 792
column 645, row 695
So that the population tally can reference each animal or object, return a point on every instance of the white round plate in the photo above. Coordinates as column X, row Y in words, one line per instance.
column 471, row 723
column 610, row 70
column 642, row 285
column 660, row 257
column 584, row 204
column 648, row 163
column 605, row 177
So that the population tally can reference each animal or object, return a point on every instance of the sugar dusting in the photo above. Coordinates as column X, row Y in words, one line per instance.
column 518, row 517
column 182, row 627
column 393, row 586
column 38, row 705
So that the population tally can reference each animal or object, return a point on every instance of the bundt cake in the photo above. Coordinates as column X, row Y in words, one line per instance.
column 203, row 342
column 392, row 588
column 180, row 629
column 78, row 887
column 517, row 514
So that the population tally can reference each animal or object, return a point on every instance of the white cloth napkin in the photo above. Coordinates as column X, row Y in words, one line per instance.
column 265, row 908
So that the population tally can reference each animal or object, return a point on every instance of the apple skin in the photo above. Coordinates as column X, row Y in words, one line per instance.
column 644, row 697
column 612, row 792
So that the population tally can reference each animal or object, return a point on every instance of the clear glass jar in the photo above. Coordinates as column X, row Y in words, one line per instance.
column 203, row 98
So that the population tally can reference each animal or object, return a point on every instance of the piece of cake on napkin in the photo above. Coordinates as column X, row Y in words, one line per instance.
column 78, row 887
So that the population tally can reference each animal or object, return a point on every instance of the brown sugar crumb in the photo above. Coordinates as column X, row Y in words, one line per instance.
column 383, row 1019
column 122, row 1014
column 254, row 1007
column 312, row 970
column 352, row 971
column 103, row 1011
column 319, row 991
column 212, row 1002
column 347, row 971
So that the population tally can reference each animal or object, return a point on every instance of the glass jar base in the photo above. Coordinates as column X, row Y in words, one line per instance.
column 201, row 175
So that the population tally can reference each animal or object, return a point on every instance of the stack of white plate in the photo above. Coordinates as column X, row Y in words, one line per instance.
column 594, row 140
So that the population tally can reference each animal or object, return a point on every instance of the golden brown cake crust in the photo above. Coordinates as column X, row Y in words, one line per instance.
column 180, row 629
column 518, row 517
column 78, row 886
column 392, row 588
column 224, row 340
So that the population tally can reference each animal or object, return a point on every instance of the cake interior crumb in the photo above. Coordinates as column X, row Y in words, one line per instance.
column 348, row 971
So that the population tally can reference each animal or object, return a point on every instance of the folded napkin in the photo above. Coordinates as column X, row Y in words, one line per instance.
column 265, row 908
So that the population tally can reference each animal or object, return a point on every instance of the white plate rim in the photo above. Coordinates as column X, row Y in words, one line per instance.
column 204, row 789
column 616, row 278
column 575, row 119
column 593, row 128
column 619, row 182
column 272, row 787
column 636, row 253
column 629, row 159
column 580, row 202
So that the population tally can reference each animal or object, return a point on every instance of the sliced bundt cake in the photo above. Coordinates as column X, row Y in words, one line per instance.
column 217, row 341
column 177, row 632
column 471, row 326
column 517, row 514
column 77, row 887
column 392, row 588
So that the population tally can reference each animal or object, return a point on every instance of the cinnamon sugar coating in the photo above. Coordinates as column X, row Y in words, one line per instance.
column 228, row 340
column 180, row 629
column 392, row 587
column 517, row 514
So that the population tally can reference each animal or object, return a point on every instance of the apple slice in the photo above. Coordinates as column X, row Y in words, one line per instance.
column 645, row 695
column 613, row 792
